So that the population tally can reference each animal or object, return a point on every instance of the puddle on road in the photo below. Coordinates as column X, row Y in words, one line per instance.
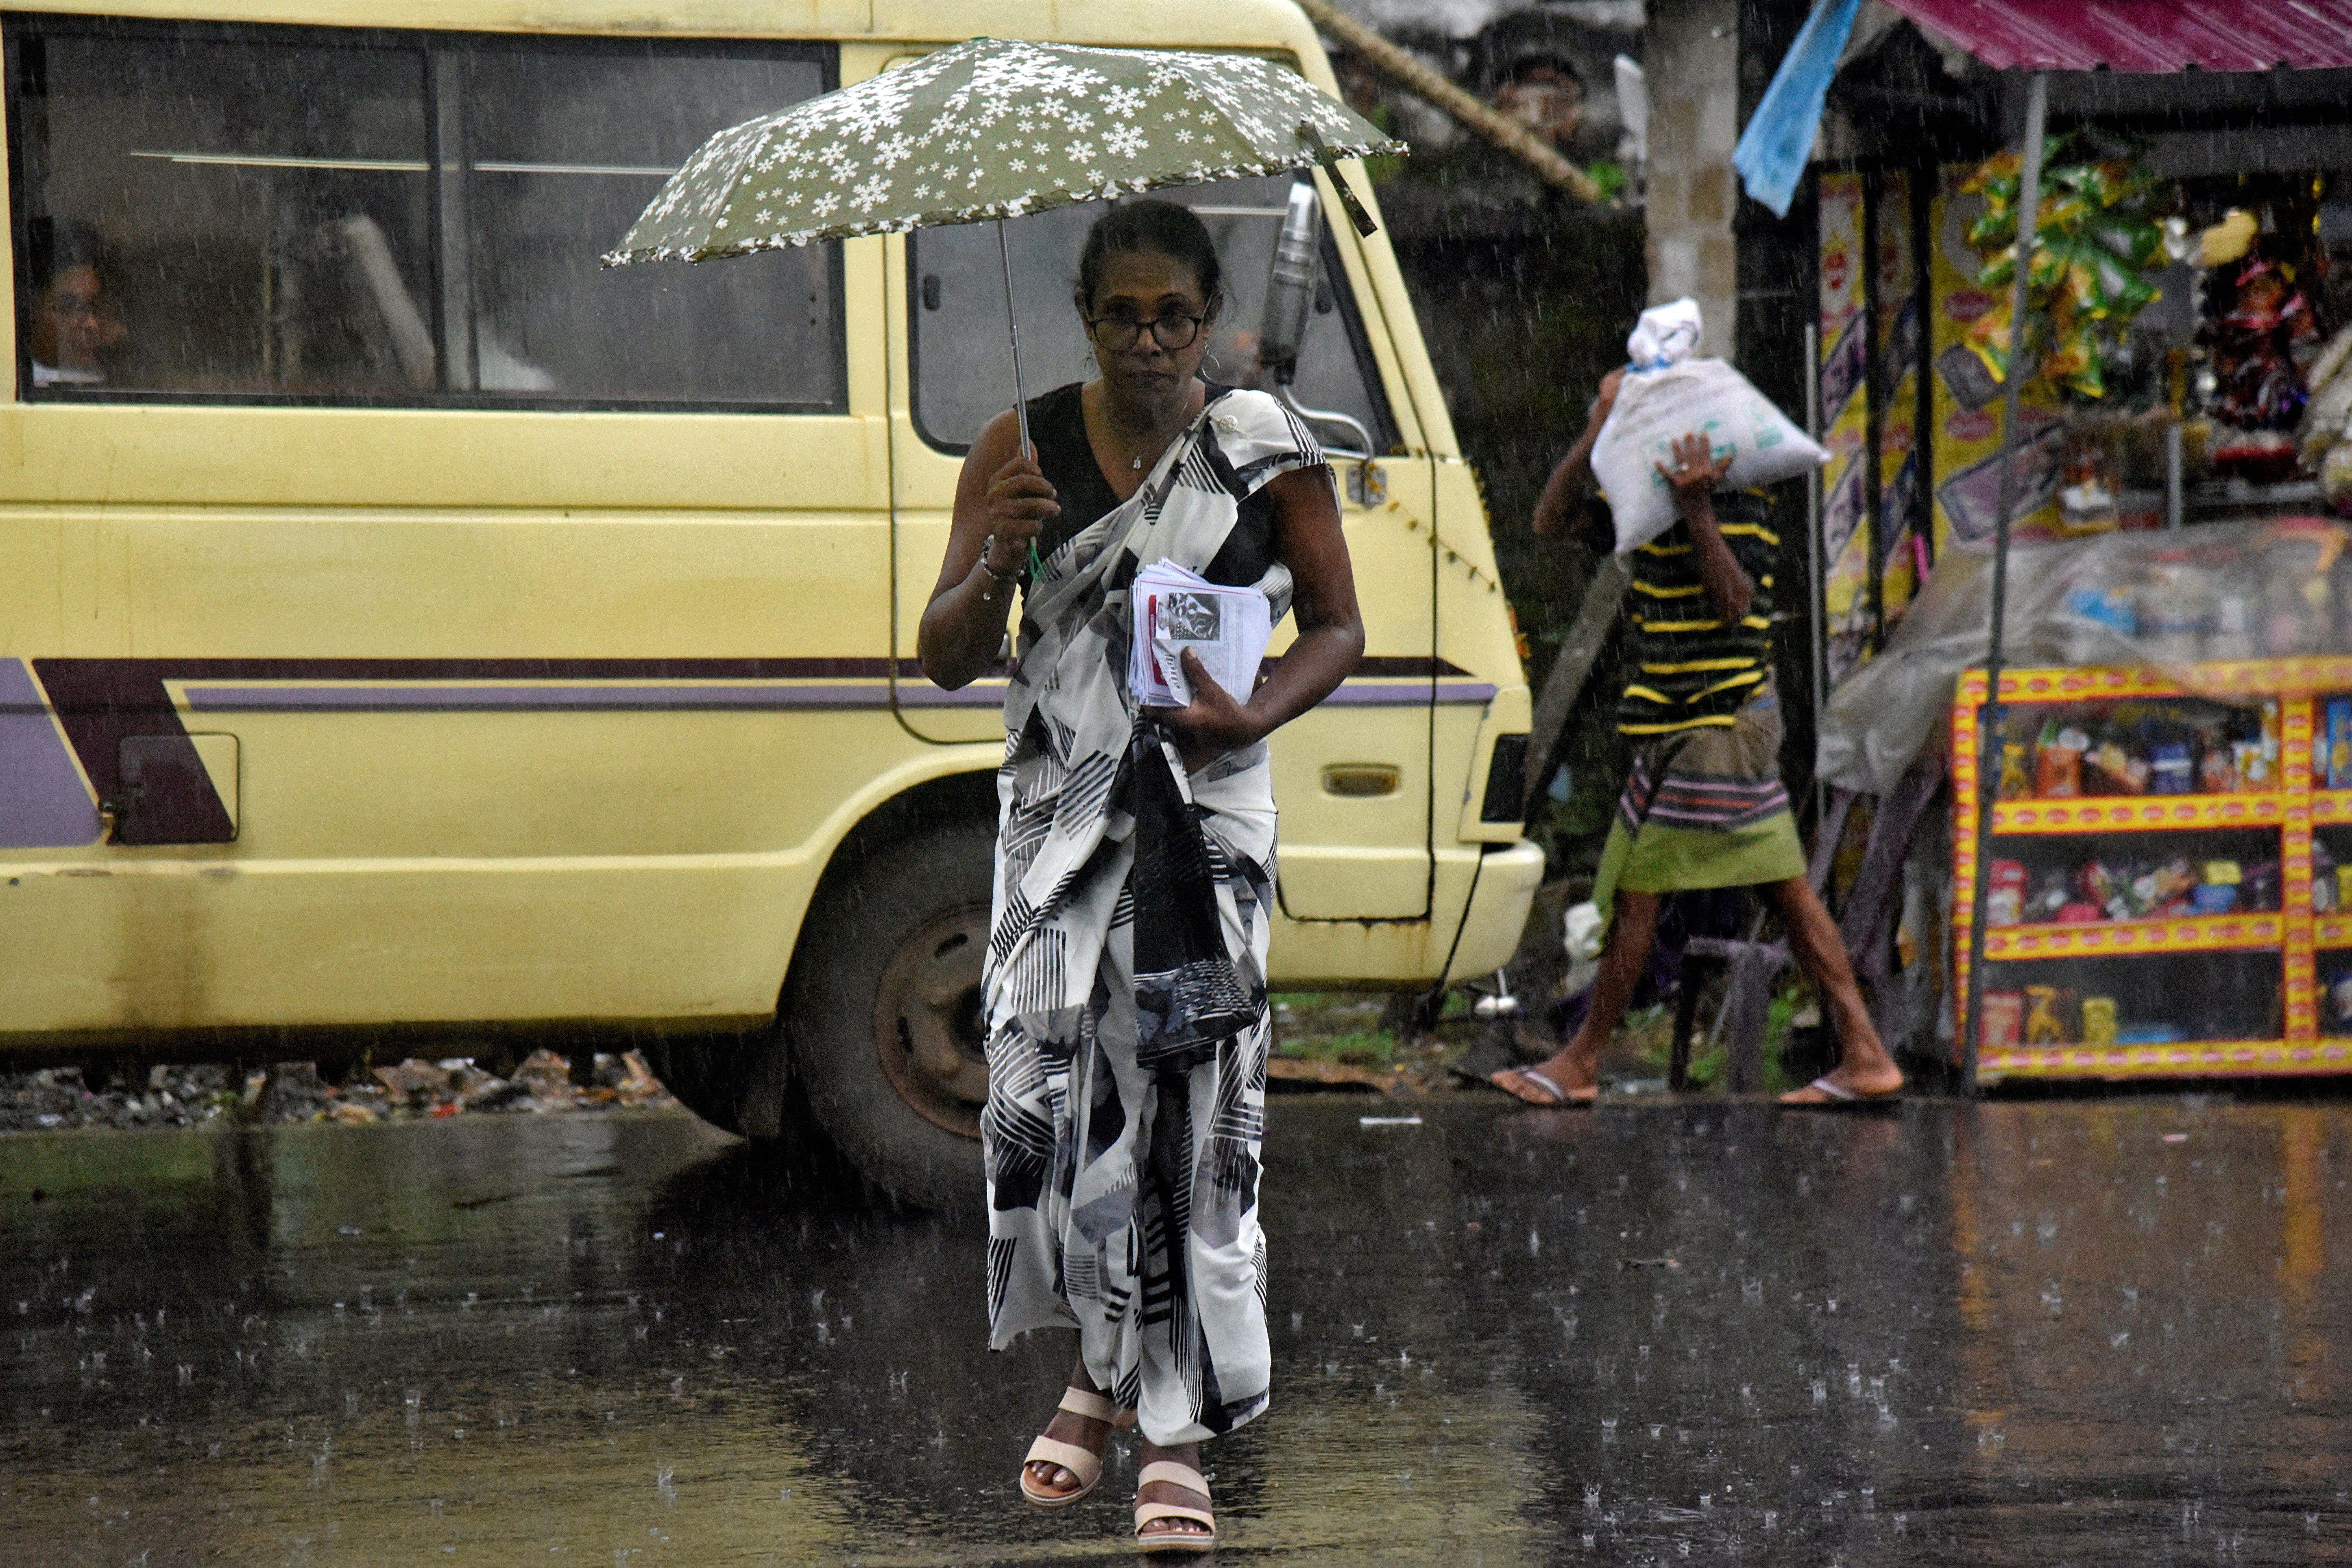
column 1642, row 1334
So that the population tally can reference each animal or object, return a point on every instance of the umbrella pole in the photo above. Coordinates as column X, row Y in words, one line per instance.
column 1020, row 398
column 2029, row 219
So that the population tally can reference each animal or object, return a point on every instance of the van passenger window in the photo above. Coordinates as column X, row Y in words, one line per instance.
column 262, row 213
column 566, row 150
column 963, row 367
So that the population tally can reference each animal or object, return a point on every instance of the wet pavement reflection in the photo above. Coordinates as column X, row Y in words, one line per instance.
column 2036, row 1333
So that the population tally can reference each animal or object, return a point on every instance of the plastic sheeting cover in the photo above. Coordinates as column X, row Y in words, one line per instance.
column 2177, row 603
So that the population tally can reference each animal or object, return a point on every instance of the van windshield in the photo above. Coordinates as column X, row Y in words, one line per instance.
column 229, row 212
column 963, row 366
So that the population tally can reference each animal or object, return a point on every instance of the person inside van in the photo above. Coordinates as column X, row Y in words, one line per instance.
column 1704, row 807
column 74, row 325
column 1125, row 976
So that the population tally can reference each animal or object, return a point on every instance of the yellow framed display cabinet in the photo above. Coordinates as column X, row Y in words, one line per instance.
column 2245, row 988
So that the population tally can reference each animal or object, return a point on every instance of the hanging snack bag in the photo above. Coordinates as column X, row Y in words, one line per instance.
column 1667, row 394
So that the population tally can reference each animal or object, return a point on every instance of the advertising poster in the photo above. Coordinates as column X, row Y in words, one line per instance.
column 1967, row 401
column 1845, row 420
column 1902, row 564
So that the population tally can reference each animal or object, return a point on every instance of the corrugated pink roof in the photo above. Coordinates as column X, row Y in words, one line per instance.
column 2143, row 35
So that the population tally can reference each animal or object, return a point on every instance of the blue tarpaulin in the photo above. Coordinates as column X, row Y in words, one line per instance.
column 1779, row 139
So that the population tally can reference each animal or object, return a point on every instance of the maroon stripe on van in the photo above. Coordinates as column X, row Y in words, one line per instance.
column 100, row 702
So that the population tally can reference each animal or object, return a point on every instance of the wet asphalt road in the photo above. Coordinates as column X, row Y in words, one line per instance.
column 2117, row 1331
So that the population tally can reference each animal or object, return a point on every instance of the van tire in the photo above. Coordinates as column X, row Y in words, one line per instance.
column 884, row 1015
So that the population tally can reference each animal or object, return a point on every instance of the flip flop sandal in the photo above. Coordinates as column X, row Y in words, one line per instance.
column 1084, row 1463
column 1837, row 1096
column 1561, row 1098
column 1191, row 1479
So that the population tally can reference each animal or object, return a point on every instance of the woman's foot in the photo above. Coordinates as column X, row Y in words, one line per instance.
column 1066, row 1459
column 1178, row 1530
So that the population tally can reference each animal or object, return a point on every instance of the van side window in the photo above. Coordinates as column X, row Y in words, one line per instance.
column 963, row 367
column 252, row 213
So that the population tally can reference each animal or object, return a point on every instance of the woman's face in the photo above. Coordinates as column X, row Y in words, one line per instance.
column 1153, row 298
column 75, row 324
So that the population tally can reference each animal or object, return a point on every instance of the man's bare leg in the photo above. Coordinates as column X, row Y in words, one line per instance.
column 1576, row 1067
column 1863, row 1067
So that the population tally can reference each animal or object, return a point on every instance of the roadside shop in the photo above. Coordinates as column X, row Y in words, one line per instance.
column 2150, row 859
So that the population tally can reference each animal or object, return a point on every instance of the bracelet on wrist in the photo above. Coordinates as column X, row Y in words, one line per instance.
column 986, row 546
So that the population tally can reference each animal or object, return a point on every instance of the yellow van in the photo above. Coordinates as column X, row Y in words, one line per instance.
column 411, row 625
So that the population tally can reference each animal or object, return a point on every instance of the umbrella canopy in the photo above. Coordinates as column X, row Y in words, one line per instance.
column 994, row 128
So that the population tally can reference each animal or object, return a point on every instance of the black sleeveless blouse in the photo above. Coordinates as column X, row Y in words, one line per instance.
column 1057, row 425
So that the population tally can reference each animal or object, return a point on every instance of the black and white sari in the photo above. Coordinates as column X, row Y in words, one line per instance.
column 1126, row 972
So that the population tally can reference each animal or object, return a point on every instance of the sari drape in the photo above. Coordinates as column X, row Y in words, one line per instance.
column 1125, row 978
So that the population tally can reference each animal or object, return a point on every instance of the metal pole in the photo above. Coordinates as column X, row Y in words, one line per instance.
column 2172, row 495
column 1020, row 397
column 2028, row 219
column 1814, row 585
column 1012, row 319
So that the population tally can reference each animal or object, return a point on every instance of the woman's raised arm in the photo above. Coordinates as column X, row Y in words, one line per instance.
column 1002, row 502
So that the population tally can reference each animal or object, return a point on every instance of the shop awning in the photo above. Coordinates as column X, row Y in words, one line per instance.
column 2144, row 36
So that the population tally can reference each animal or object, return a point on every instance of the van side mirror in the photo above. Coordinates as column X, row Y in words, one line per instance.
column 1295, row 295
column 1290, row 288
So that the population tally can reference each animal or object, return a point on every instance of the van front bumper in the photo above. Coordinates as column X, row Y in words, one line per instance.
column 1508, row 875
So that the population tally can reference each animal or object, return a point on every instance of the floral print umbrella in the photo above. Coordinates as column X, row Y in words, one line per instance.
column 994, row 128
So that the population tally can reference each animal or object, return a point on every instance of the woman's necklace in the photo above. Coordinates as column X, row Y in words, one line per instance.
column 1134, row 457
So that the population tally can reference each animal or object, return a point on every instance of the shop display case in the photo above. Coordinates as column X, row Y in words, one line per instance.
column 2170, row 864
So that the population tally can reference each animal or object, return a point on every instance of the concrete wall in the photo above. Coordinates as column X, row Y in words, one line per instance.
column 1691, row 56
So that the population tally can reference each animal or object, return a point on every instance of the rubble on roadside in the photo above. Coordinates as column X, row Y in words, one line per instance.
column 188, row 1096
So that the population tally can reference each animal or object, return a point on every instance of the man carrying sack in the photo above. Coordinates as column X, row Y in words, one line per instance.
column 1702, row 805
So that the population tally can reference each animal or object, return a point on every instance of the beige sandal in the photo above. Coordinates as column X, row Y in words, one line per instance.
column 1192, row 1480
column 1082, row 1463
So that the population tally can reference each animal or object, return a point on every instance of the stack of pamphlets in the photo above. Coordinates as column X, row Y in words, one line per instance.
column 1176, row 609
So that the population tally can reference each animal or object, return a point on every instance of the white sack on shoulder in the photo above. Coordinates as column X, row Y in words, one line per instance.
column 1706, row 395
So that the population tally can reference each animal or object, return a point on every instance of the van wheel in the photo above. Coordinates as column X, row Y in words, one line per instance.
column 885, row 1014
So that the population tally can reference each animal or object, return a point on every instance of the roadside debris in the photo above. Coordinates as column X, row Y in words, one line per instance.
column 177, row 1096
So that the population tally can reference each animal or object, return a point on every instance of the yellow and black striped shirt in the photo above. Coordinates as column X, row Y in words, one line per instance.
column 1686, row 666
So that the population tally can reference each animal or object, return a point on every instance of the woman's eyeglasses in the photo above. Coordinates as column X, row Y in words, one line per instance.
column 1118, row 334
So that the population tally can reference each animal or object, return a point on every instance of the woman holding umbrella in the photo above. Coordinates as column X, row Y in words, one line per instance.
column 1125, row 972
column 1125, row 980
